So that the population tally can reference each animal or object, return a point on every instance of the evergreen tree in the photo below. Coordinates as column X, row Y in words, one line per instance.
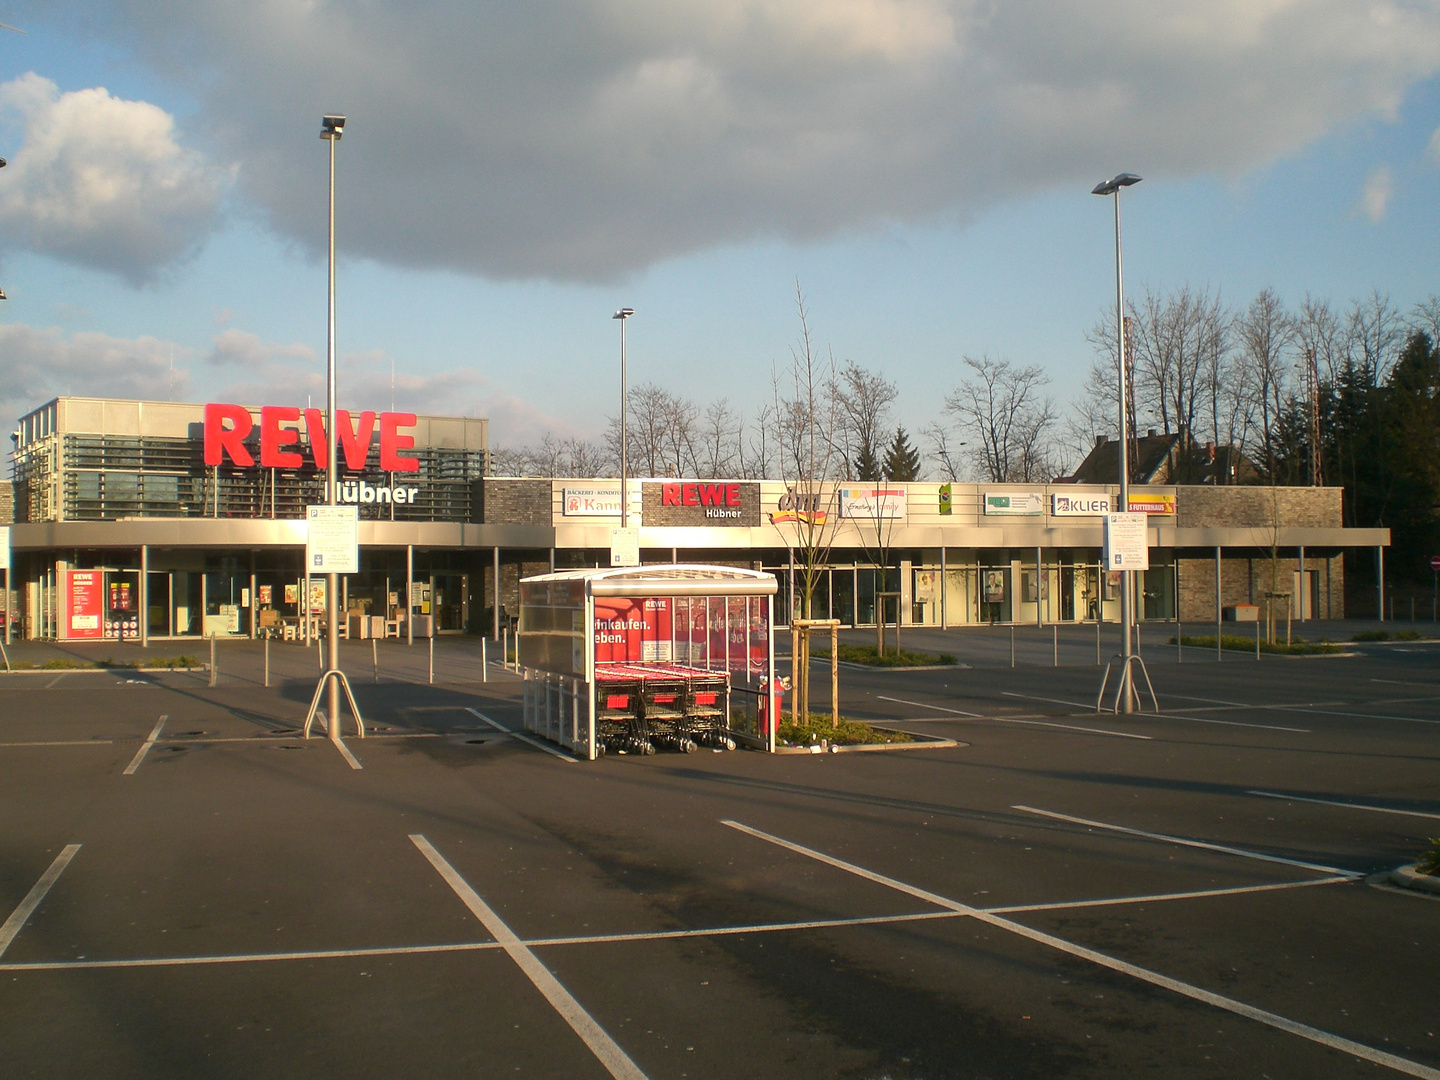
column 867, row 466
column 902, row 461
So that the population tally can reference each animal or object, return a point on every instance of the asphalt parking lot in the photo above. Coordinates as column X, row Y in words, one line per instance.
column 191, row 889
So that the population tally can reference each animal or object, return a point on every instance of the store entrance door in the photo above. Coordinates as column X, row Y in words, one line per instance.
column 450, row 603
column 1067, row 594
column 157, row 615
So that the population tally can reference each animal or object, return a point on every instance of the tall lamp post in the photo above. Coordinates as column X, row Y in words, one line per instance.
column 623, row 314
column 331, row 130
column 1112, row 187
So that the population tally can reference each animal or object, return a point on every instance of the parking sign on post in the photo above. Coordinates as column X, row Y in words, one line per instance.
column 1127, row 542
column 332, row 540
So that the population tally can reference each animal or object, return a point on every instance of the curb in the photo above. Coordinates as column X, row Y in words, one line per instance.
column 96, row 670
column 1406, row 877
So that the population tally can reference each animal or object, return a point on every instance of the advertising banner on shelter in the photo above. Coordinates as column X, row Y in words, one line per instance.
column 634, row 630
column 84, row 603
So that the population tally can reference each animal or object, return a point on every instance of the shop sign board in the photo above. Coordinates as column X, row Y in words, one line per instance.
column 625, row 547
column 332, row 540
column 1014, row 503
column 1152, row 504
column 1082, row 505
column 1127, row 542
column 946, row 499
column 601, row 501
column 692, row 503
column 802, row 507
column 83, row 603
column 872, row 503
column 355, row 438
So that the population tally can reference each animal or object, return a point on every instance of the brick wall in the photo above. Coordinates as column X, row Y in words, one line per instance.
column 519, row 502
column 1247, row 580
column 1242, row 507
column 7, row 502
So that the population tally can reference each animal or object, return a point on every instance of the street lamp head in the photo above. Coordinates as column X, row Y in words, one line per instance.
column 3, row 163
column 623, row 313
column 332, row 126
column 1109, row 187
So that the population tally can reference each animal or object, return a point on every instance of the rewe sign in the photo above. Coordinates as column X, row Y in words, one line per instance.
column 355, row 439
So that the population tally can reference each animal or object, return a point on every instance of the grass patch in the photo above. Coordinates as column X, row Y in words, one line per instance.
column 1236, row 643
column 866, row 654
column 66, row 663
column 849, row 733
column 1385, row 635
column 1429, row 861
column 185, row 660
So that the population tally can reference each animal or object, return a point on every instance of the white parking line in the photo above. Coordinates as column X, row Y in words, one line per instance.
column 1016, row 719
column 145, row 747
column 1184, row 842
column 62, row 742
column 1347, row 805
column 1231, row 723
column 522, row 736
column 606, row 1049
column 1196, row 894
column 347, row 755
column 1154, row 978
column 35, row 896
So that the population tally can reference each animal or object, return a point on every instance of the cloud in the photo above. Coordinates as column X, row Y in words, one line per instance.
column 1375, row 195
column 102, row 182
column 1433, row 147
column 44, row 363
column 586, row 139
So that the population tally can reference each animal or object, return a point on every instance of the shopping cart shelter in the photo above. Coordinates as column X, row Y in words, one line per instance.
column 626, row 659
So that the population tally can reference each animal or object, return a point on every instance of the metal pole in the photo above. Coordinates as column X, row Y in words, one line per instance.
column 144, row 599
column 1301, row 591
column 332, row 581
column 1257, row 639
column 484, row 663
column 409, row 594
column 1380, row 580
column 1055, row 643
column 1097, row 638
column 1219, row 611
column 212, row 659
column 375, row 658
column 1039, row 569
column 432, row 659
column 1012, row 644
column 495, row 611
column 267, row 660
column 1126, row 601
column 624, row 489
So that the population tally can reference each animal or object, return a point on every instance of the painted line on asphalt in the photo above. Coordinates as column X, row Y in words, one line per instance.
column 36, row 894
column 1347, row 805
column 1186, row 842
column 1052, row 700
column 606, row 1049
column 1154, row 978
column 937, row 708
column 1016, row 719
column 53, row 682
column 1196, row 894
column 633, row 937
column 1321, row 711
column 61, row 742
column 522, row 736
column 145, row 747
column 1230, row 723
column 1407, row 682
column 346, row 754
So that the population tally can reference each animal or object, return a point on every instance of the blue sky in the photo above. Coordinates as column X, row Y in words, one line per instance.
column 975, row 233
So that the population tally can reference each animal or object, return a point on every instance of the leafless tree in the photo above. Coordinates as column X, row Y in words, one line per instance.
column 719, row 441
column 864, row 398
column 1264, row 333
column 944, row 451
column 553, row 458
column 1374, row 334
column 1425, row 317
column 1007, row 418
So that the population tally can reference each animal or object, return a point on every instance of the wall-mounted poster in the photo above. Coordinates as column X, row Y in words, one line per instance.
column 83, row 602
column 632, row 629
column 994, row 586
column 265, row 592
column 292, row 594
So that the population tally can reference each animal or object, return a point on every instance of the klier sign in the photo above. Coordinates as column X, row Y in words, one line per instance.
column 222, row 441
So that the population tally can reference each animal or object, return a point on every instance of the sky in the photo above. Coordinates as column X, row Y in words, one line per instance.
column 511, row 174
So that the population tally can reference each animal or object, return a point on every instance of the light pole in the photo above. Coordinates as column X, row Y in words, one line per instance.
column 331, row 130
column 623, row 314
column 1112, row 187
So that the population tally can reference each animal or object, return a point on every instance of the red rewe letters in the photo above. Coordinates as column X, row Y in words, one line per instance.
column 356, row 444
column 392, row 442
column 670, row 495
column 220, row 440
column 273, row 437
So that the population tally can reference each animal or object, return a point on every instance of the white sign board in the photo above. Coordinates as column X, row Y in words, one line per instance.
column 872, row 503
column 1082, row 504
column 1127, row 542
column 1014, row 503
column 601, row 501
column 332, row 540
column 5, row 547
column 624, row 547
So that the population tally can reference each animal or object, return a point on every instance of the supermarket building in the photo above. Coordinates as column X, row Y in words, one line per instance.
column 173, row 520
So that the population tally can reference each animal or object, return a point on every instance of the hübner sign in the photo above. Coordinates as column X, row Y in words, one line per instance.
column 1088, row 505
column 358, row 492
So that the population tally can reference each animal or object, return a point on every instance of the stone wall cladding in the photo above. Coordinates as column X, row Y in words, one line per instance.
column 1257, row 507
column 1247, row 580
column 519, row 502
column 7, row 502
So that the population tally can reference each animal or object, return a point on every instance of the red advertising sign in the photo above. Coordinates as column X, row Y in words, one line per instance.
column 632, row 629
column 355, row 437
column 120, row 596
column 83, row 600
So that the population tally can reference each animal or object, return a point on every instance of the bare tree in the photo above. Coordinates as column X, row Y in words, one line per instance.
column 552, row 457
column 1374, row 335
column 864, row 398
column 1425, row 317
column 1264, row 333
column 944, row 451
column 719, row 441
column 1007, row 418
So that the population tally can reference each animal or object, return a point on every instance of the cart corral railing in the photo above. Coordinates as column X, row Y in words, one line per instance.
column 557, row 707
